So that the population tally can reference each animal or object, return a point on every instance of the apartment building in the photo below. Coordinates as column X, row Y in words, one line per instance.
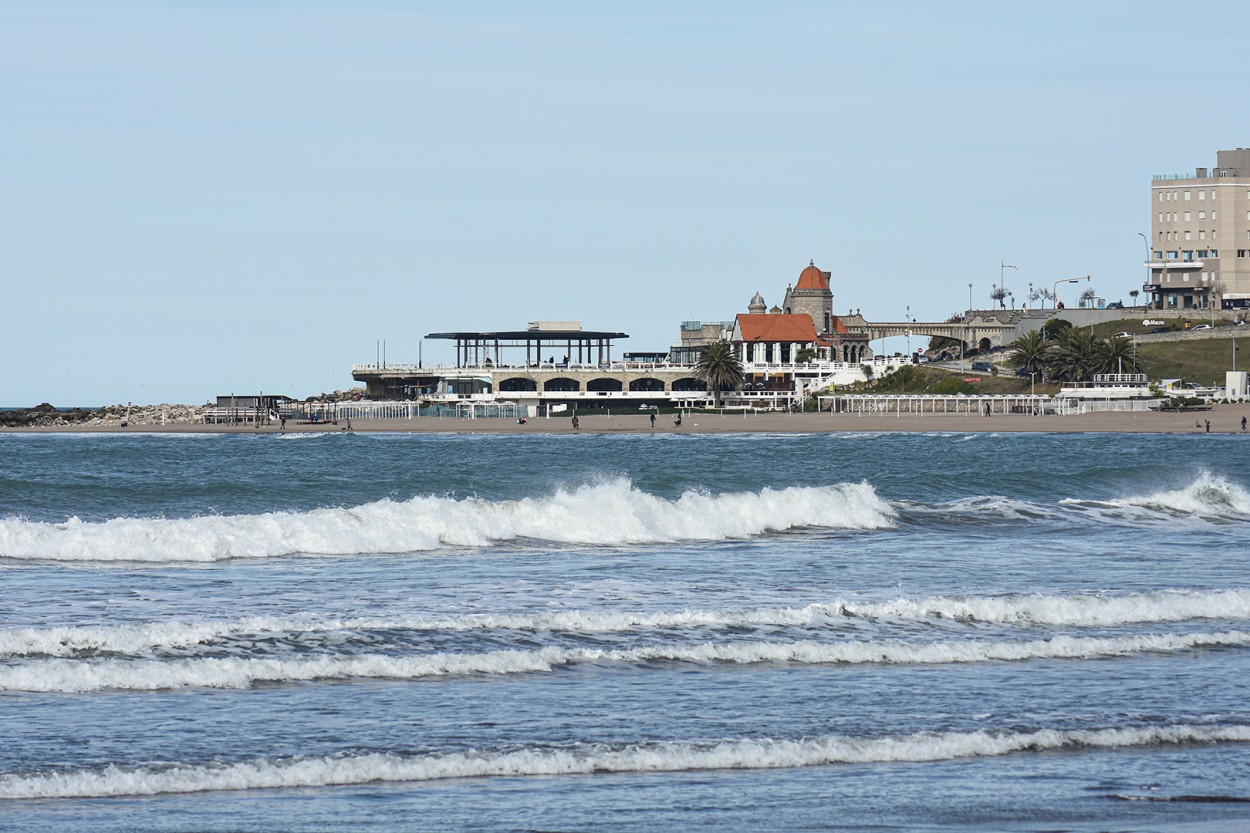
column 1200, row 236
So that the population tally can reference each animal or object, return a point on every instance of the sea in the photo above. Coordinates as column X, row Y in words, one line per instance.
column 650, row 632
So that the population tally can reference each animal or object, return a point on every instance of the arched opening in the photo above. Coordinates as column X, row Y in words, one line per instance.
column 647, row 385
column 561, row 384
column 984, row 345
column 604, row 385
column 689, row 384
column 518, row 385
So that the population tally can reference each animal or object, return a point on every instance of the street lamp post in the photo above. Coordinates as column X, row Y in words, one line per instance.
column 1055, row 291
column 1003, row 265
column 967, row 326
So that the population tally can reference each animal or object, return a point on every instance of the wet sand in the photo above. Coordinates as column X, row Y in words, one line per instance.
column 1224, row 419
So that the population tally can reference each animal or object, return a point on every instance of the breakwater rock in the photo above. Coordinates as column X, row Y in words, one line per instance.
column 47, row 415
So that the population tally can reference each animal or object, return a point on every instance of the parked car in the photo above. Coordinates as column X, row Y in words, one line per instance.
column 1162, row 330
column 983, row 367
column 1024, row 372
column 1200, row 327
column 1123, row 335
column 1115, row 305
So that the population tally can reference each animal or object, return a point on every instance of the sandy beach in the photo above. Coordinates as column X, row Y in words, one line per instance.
column 1224, row 419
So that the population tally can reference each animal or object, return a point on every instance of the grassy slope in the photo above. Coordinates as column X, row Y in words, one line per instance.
column 1202, row 360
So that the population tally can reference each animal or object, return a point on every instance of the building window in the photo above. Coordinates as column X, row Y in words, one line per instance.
column 1202, row 235
column 1186, row 196
column 1202, row 195
column 1213, row 216
column 1202, row 215
column 1187, row 217
column 1188, row 234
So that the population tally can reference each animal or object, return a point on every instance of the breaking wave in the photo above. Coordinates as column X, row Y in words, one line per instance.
column 608, row 513
column 76, row 676
column 1209, row 497
column 734, row 754
column 1032, row 610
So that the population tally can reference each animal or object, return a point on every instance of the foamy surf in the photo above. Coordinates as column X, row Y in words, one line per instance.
column 1209, row 497
column 78, row 676
column 734, row 754
column 603, row 514
column 1081, row 610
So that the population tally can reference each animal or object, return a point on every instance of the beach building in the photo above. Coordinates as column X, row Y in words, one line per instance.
column 787, row 354
column 1199, row 251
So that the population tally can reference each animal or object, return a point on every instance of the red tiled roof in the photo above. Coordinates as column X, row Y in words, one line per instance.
column 760, row 327
column 838, row 326
column 812, row 278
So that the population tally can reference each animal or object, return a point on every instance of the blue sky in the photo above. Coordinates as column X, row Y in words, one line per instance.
column 214, row 197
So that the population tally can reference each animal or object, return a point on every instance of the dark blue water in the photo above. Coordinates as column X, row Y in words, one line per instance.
column 838, row 632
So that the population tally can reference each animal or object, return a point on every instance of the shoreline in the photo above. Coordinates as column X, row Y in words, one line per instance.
column 1224, row 419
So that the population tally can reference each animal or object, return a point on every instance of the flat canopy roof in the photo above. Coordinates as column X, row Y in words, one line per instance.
column 529, row 335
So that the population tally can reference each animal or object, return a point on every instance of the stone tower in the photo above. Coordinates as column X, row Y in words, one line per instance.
column 812, row 296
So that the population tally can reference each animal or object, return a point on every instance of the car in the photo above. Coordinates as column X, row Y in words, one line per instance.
column 1162, row 330
column 1115, row 305
column 1200, row 327
column 1123, row 335
column 984, row 367
column 1025, row 372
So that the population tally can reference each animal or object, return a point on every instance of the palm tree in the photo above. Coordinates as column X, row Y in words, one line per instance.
column 1077, row 354
column 1133, row 293
column 1117, row 356
column 719, row 367
column 1029, row 351
column 998, row 294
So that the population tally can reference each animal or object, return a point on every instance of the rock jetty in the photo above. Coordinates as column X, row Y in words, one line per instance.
column 47, row 415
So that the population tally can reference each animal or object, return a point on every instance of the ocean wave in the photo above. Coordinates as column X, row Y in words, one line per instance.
column 1209, row 497
column 79, row 676
column 608, row 513
column 656, row 757
column 1080, row 610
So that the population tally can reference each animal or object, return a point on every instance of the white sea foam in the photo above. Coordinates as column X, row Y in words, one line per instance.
column 76, row 676
column 609, row 513
column 1071, row 611
column 1209, row 497
column 1076, row 610
column 348, row 769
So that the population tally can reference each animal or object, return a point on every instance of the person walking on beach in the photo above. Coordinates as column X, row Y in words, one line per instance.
column 575, row 422
column 1243, row 421
column 1208, row 424
column 677, row 422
